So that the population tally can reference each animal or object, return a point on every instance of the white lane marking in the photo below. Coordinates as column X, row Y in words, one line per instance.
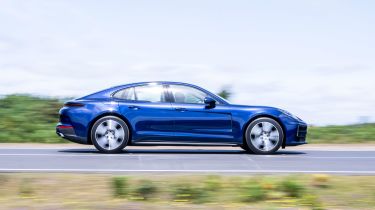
column 110, row 155
column 41, row 148
column 322, row 157
column 157, row 154
column 61, row 155
column 364, row 149
column 183, row 170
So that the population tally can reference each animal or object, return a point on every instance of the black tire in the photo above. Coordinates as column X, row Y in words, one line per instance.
column 119, row 145
column 250, row 143
column 246, row 148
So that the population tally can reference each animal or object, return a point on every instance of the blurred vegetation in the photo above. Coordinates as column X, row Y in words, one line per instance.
column 291, row 188
column 359, row 133
column 145, row 189
column 225, row 93
column 120, row 186
column 189, row 192
column 253, row 191
column 26, row 118
column 166, row 191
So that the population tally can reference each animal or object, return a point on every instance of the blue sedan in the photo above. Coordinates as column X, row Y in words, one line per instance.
column 173, row 113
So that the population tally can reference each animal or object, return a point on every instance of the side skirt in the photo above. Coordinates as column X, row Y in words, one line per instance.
column 163, row 143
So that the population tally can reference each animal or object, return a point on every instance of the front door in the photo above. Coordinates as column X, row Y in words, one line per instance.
column 147, row 109
column 194, row 122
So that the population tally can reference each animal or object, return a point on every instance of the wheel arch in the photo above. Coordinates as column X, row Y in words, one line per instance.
column 260, row 116
column 115, row 114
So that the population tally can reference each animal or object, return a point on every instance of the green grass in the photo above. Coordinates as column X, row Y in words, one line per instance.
column 168, row 191
column 360, row 133
column 25, row 118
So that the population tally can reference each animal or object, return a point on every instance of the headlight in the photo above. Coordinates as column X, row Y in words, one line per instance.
column 289, row 114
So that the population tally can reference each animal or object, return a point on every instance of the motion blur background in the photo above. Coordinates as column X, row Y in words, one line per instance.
column 314, row 58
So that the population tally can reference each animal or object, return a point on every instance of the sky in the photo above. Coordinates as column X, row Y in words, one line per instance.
column 314, row 58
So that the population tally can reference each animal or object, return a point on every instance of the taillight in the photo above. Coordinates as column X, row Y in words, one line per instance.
column 64, row 126
column 73, row 104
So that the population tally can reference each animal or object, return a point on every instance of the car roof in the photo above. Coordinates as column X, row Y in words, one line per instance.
column 157, row 82
column 108, row 92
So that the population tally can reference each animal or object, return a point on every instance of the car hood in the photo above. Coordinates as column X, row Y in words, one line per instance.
column 248, row 107
column 253, row 110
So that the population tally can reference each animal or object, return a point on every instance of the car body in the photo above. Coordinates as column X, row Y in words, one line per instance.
column 174, row 113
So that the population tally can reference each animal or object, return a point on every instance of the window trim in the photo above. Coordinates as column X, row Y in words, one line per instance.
column 164, row 92
column 168, row 95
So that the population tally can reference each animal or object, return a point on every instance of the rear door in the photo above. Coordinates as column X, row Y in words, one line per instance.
column 148, row 111
column 194, row 122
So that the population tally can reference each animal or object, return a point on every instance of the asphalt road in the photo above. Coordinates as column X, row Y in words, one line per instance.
column 69, row 158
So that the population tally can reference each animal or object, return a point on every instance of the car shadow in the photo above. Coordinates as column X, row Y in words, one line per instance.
column 178, row 151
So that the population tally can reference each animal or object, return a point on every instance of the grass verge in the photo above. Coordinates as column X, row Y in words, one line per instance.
column 100, row 191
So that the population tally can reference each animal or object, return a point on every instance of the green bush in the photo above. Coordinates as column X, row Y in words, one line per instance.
column 253, row 192
column 291, row 188
column 145, row 189
column 312, row 201
column 187, row 192
column 120, row 186
column 212, row 183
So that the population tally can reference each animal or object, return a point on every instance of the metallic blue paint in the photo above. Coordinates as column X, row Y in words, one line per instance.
column 171, row 122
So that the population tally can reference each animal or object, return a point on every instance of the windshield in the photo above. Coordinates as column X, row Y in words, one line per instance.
column 222, row 98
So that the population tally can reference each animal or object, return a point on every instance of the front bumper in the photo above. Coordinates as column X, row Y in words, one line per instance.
column 66, row 131
column 296, row 135
column 301, row 132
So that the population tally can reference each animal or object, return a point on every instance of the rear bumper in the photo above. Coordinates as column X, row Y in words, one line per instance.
column 66, row 131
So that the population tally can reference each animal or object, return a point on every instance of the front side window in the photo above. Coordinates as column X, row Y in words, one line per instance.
column 186, row 94
column 149, row 93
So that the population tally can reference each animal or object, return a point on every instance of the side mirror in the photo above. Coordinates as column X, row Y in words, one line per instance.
column 210, row 102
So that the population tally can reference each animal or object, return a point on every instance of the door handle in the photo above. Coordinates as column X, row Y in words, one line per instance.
column 180, row 109
column 133, row 107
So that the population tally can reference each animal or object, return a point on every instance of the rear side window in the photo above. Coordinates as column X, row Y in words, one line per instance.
column 149, row 93
column 146, row 93
column 125, row 94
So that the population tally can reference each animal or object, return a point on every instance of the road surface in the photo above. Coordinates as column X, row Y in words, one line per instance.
column 85, row 159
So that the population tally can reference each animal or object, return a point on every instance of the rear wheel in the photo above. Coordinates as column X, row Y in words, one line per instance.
column 245, row 147
column 264, row 136
column 110, row 134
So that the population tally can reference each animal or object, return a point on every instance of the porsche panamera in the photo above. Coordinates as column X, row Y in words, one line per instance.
column 174, row 113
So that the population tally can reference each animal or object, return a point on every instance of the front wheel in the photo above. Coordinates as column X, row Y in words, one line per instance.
column 264, row 136
column 110, row 134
